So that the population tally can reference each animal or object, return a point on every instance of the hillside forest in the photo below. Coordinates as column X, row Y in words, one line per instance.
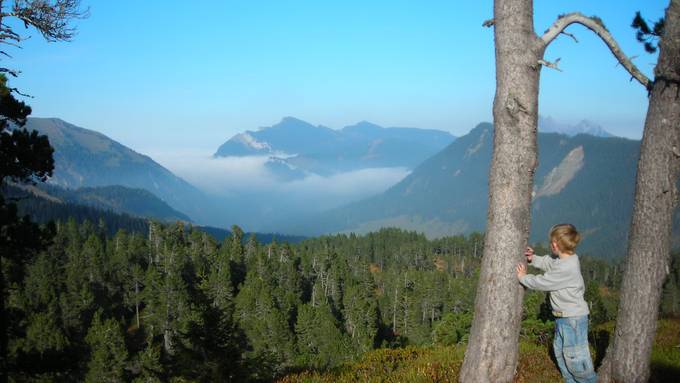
column 176, row 305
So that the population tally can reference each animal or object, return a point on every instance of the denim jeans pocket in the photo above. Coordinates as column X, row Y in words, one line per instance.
column 577, row 359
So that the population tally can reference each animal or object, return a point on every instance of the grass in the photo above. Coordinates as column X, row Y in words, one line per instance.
column 442, row 364
column 665, row 362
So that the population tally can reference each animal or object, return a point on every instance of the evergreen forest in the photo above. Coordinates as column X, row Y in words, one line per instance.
column 172, row 304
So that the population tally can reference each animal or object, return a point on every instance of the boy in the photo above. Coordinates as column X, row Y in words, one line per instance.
column 562, row 278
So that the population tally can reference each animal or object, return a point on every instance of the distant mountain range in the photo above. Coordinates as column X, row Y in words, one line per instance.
column 550, row 125
column 85, row 158
column 585, row 180
column 297, row 148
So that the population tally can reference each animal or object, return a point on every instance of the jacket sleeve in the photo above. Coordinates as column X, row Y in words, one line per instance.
column 544, row 262
column 556, row 279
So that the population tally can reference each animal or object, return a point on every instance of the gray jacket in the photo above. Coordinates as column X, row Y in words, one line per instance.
column 562, row 278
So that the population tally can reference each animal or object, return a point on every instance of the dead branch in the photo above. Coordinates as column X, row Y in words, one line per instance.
column 596, row 25
column 552, row 65
column 10, row 43
column 12, row 72
column 631, row 59
column 50, row 18
column 570, row 35
column 15, row 90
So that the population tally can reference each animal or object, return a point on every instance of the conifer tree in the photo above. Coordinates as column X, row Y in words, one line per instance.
column 361, row 314
column 320, row 341
column 149, row 365
column 264, row 324
column 40, row 296
column 108, row 355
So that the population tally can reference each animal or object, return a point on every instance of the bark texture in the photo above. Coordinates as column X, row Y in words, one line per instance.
column 492, row 352
column 656, row 199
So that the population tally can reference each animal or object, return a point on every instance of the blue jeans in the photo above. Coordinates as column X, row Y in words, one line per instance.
column 571, row 350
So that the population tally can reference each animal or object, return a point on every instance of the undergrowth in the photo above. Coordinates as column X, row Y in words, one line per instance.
column 443, row 363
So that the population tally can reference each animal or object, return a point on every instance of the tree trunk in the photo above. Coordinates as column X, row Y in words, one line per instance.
column 4, row 337
column 492, row 352
column 656, row 199
column 137, row 302
column 394, row 312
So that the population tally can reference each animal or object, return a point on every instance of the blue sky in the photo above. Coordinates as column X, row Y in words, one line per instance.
column 169, row 75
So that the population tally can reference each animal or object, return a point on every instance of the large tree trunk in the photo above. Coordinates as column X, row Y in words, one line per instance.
column 3, row 320
column 656, row 199
column 492, row 352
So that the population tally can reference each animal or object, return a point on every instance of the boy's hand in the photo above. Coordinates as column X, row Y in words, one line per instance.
column 521, row 270
column 529, row 254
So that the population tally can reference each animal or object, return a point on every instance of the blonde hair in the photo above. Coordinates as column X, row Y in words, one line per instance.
column 566, row 237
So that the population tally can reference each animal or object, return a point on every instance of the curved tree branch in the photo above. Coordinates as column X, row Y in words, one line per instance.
column 595, row 24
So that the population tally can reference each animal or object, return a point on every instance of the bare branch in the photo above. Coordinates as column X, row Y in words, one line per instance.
column 50, row 18
column 552, row 65
column 15, row 90
column 631, row 59
column 11, row 36
column 489, row 23
column 596, row 25
column 12, row 72
column 10, row 43
column 5, row 30
column 570, row 35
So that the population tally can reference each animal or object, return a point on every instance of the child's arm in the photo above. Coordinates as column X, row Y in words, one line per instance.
column 544, row 262
column 555, row 279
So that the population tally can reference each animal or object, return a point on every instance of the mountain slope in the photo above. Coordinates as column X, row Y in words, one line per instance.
column 324, row 151
column 585, row 180
column 118, row 199
column 85, row 158
column 41, row 204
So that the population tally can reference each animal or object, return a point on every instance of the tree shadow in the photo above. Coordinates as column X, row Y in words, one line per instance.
column 600, row 340
column 662, row 373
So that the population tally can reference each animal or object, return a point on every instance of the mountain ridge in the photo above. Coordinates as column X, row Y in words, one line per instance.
column 87, row 158
column 588, row 181
column 115, row 198
column 547, row 124
column 324, row 151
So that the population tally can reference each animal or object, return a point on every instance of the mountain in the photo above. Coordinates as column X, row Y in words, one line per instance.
column 550, row 125
column 585, row 180
column 283, row 170
column 118, row 199
column 291, row 136
column 44, row 203
column 85, row 158
column 306, row 148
